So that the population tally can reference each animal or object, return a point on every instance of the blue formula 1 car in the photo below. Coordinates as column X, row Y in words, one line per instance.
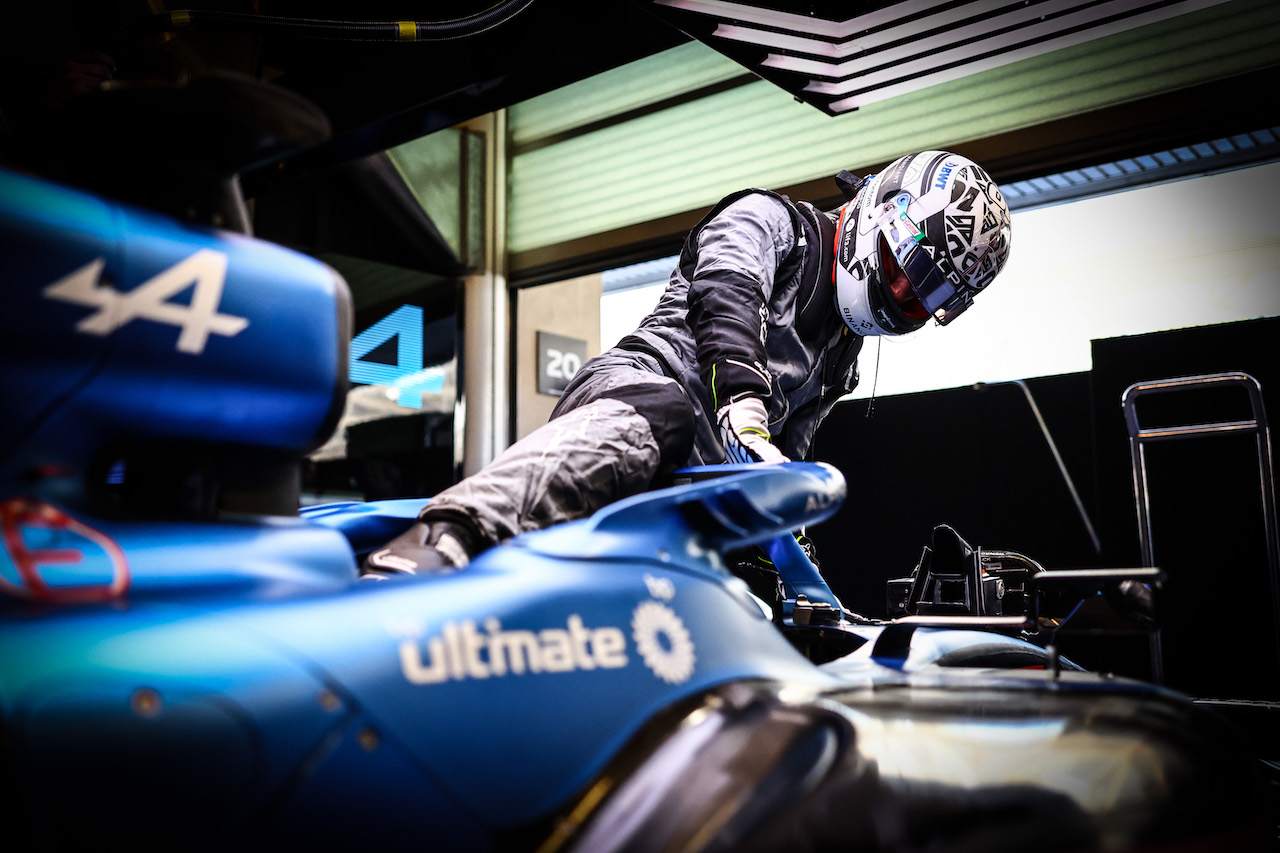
column 184, row 663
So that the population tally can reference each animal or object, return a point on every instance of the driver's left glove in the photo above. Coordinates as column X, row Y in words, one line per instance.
column 744, row 432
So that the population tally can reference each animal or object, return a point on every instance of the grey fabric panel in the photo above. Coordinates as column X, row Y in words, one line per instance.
column 606, row 373
column 749, row 237
column 566, row 469
column 639, row 378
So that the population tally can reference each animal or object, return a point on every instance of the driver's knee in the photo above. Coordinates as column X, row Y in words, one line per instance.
column 670, row 415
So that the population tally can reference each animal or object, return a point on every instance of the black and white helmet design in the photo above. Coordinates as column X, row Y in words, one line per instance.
column 945, row 223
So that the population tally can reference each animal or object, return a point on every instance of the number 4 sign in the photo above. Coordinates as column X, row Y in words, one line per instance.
column 408, row 376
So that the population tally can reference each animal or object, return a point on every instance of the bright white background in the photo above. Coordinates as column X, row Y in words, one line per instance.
column 1187, row 253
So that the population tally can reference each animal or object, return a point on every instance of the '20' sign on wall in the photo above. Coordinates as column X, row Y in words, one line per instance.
column 559, row 358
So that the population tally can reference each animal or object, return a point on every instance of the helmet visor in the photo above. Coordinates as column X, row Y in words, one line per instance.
column 938, row 294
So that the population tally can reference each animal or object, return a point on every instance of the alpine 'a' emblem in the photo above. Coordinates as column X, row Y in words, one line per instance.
column 206, row 269
column 663, row 642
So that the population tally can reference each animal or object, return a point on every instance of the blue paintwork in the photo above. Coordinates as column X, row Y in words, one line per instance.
column 366, row 525
column 240, row 667
column 246, row 655
column 272, row 385
column 260, row 557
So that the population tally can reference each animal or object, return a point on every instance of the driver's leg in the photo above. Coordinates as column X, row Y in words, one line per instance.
column 616, row 427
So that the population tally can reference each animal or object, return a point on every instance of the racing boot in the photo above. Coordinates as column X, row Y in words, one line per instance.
column 428, row 546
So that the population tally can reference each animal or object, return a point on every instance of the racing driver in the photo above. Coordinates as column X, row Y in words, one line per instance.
column 754, row 340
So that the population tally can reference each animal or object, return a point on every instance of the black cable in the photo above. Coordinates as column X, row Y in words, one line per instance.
column 378, row 31
column 1057, row 457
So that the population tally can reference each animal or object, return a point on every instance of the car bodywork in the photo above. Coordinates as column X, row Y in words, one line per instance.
column 173, row 669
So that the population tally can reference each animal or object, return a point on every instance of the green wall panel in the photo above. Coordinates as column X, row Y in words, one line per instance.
column 639, row 84
column 689, row 155
column 432, row 168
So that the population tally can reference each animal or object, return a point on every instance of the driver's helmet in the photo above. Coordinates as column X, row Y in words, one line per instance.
column 939, row 218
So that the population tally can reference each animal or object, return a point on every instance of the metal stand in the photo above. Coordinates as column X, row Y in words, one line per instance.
column 1139, row 438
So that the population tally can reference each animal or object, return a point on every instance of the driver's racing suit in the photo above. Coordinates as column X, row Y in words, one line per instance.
column 749, row 310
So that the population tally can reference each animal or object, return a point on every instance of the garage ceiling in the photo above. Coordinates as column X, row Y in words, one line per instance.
column 376, row 94
column 371, row 95
column 841, row 56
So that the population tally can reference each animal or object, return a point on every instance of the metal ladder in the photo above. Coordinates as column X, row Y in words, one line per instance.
column 1139, row 438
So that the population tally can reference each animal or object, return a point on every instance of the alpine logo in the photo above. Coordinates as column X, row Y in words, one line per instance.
column 818, row 501
column 467, row 650
column 205, row 269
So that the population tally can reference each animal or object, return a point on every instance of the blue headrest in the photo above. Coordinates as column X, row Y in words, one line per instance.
column 122, row 324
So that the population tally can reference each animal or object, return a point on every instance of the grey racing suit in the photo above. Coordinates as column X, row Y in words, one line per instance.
column 749, row 310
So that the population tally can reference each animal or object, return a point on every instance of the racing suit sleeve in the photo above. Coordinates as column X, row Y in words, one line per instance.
column 738, row 253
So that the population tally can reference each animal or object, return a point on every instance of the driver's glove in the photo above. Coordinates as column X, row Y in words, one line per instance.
column 806, row 545
column 744, row 432
column 428, row 546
